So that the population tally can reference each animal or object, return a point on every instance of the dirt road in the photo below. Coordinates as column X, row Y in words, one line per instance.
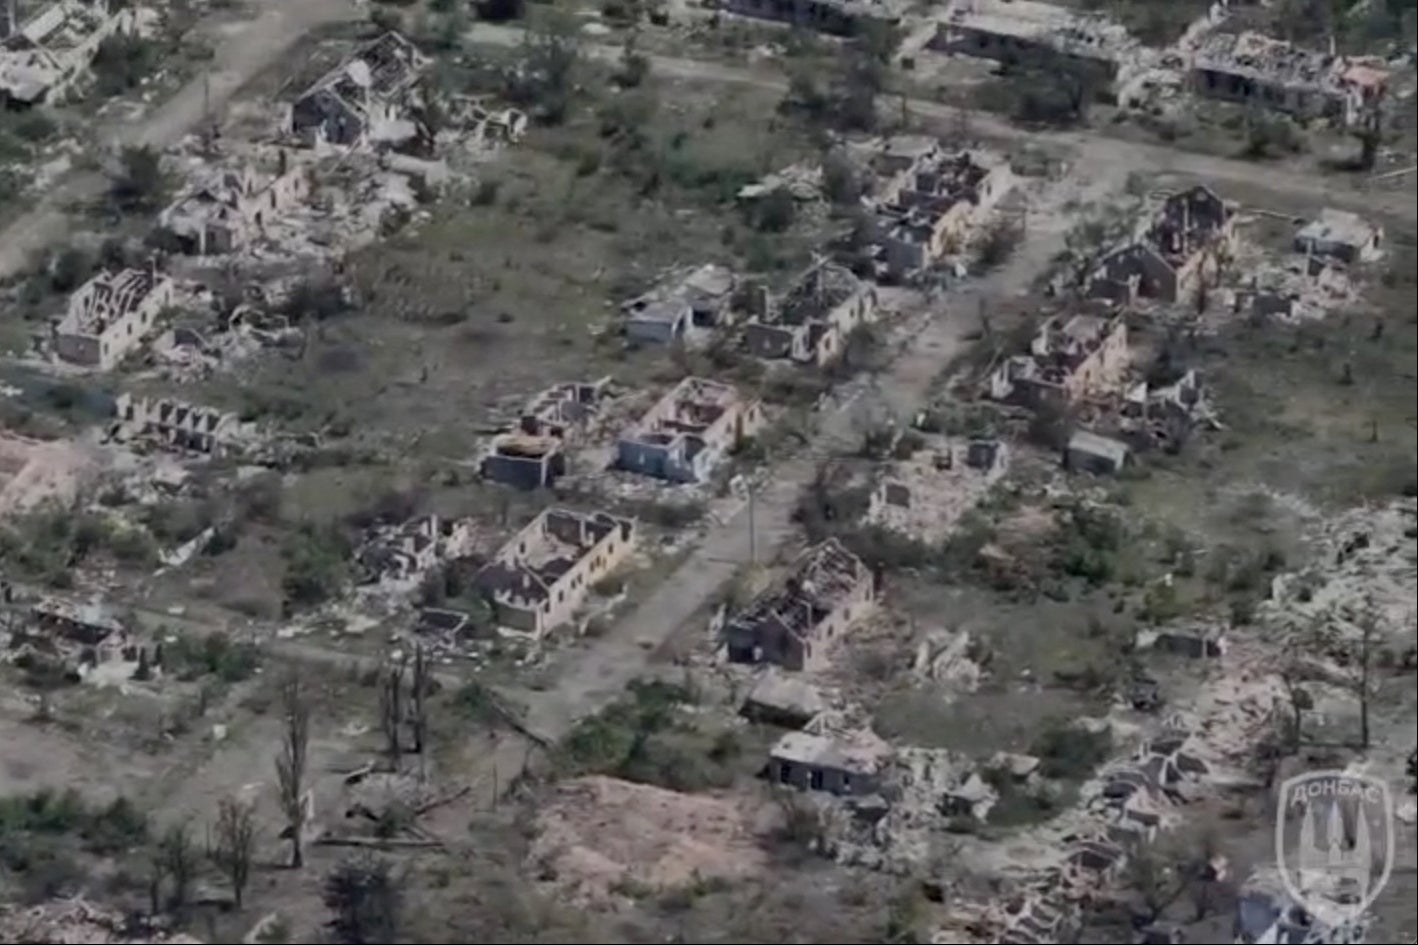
column 589, row 679
column 243, row 50
column 1092, row 148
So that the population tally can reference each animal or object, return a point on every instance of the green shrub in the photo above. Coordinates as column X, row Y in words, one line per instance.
column 1067, row 751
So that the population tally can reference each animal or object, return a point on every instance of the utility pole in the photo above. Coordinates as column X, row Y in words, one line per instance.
column 752, row 530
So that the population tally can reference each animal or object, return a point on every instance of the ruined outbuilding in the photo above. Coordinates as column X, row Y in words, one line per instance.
column 1181, row 250
column 1090, row 452
column 110, row 315
column 88, row 632
column 811, row 322
column 542, row 575
column 794, row 624
column 689, row 431
column 847, row 763
column 371, row 98
column 1342, row 236
column 48, row 56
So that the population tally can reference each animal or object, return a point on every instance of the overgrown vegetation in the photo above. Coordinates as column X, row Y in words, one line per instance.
column 44, row 834
column 1068, row 751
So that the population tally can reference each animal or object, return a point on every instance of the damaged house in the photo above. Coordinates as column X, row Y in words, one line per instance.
column 92, row 629
column 369, row 98
column 924, row 496
column 1257, row 70
column 183, row 427
column 1014, row 31
column 110, row 315
column 1068, row 360
column 49, row 54
column 405, row 551
column 810, row 324
column 696, row 298
column 932, row 213
column 794, row 624
column 231, row 208
column 531, row 455
column 539, row 578
column 836, row 17
column 1179, row 254
column 692, row 428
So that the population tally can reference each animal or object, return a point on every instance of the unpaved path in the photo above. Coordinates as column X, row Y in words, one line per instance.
column 243, row 51
column 1092, row 148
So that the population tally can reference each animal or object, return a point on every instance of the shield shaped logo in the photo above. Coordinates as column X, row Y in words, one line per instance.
column 1334, row 840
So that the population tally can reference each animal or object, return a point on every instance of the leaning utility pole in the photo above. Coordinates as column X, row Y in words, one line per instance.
column 752, row 530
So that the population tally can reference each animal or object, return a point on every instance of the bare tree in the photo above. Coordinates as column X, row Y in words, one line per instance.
column 1298, row 701
column 1364, row 688
column 391, row 708
column 179, row 861
column 290, row 763
column 419, row 697
column 234, row 844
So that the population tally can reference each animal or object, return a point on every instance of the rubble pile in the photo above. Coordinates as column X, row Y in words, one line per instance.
column 76, row 922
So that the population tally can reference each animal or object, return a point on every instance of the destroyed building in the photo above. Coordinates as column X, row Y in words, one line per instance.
column 811, row 323
column 184, row 427
column 1342, row 236
column 230, row 208
column 532, row 455
column 1090, row 452
column 891, row 163
column 1154, row 415
column 401, row 552
column 843, row 763
column 1181, row 251
column 924, row 496
column 368, row 99
column 34, row 471
column 697, row 298
column 932, row 211
column 110, row 315
column 539, row 578
column 1294, row 288
column 1023, row 31
column 91, row 628
column 1069, row 359
column 837, row 17
column 1257, row 70
column 689, row 431
column 794, row 624
column 49, row 54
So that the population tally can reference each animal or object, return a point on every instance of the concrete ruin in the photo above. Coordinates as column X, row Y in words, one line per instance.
column 404, row 552
column 541, row 576
column 1294, row 289
column 532, row 455
column 689, row 431
column 847, row 763
column 811, row 322
column 182, row 427
column 931, row 212
column 1014, row 31
column 79, row 634
column 1069, row 359
column 1258, row 70
column 109, row 316
column 780, row 699
column 794, row 624
column 75, row 920
column 1181, row 251
column 48, row 57
column 924, row 497
column 836, row 17
column 1162, row 415
column 369, row 99
column 698, row 298
column 230, row 208
column 1342, row 236
column 1090, row 452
